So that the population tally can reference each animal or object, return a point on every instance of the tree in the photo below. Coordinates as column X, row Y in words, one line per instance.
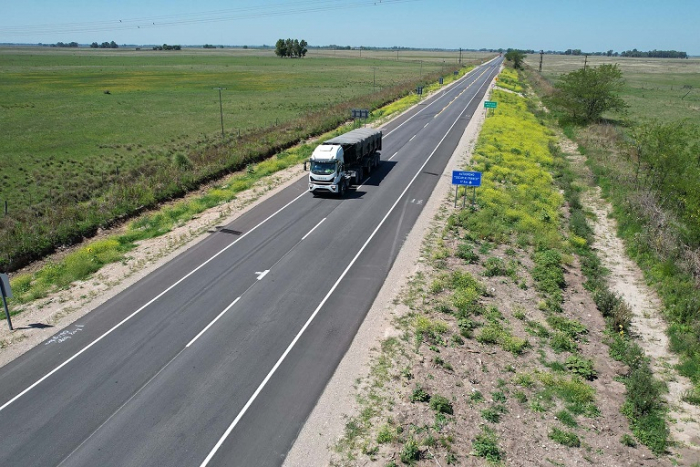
column 291, row 48
column 281, row 48
column 515, row 56
column 587, row 93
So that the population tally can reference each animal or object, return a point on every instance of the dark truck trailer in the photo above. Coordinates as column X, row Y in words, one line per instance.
column 344, row 160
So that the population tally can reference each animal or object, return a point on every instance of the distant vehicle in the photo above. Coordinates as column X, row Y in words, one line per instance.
column 344, row 160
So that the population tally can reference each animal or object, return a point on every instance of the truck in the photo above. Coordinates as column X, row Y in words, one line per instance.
column 340, row 162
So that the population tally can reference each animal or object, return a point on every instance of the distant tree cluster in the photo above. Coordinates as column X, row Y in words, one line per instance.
column 654, row 54
column 104, row 45
column 63, row 44
column 209, row 46
column 167, row 47
column 291, row 48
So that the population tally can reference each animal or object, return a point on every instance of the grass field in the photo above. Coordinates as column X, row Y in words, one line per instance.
column 667, row 89
column 79, row 124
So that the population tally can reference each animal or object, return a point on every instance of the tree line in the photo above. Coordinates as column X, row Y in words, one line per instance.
column 63, row 44
column 167, row 47
column 654, row 54
column 291, row 48
column 104, row 45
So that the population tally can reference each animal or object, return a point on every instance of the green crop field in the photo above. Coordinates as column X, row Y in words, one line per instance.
column 107, row 131
column 667, row 89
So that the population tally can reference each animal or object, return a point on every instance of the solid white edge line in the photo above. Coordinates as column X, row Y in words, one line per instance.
column 311, row 231
column 212, row 323
column 325, row 299
column 84, row 349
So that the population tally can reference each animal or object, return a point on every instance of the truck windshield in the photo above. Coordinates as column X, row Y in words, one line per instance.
column 323, row 168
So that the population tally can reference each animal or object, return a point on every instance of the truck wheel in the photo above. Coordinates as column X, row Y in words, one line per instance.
column 358, row 176
column 341, row 189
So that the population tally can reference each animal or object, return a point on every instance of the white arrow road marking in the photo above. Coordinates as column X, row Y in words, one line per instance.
column 262, row 274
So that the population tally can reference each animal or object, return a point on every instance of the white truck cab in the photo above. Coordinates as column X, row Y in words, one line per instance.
column 326, row 172
column 344, row 160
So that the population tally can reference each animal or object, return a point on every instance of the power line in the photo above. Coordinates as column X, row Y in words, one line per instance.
column 231, row 14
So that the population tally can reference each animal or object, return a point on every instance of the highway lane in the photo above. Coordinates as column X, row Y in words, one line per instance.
column 140, row 396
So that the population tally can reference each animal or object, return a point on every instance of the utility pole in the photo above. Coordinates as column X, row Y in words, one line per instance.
column 375, row 79
column 541, row 58
column 585, row 61
column 6, row 292
column 460, row 55
column 221, row 111
column 421, row 69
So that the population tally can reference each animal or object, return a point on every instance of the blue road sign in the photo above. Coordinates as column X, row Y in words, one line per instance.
column 466, row 178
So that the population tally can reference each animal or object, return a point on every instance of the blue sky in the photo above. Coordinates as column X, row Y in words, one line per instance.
column 591, row 25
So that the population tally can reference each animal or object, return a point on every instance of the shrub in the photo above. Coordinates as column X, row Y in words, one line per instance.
column 386, row 434
column 441, row 404
column 566, row 418
column 466, row 252
column 409, row 452
column 495, row 266
column 419, row 395
column 628, row 440
column 581, row 366
column 561, row 342
column 570, row 327
column 485, row 445
column 565, row 438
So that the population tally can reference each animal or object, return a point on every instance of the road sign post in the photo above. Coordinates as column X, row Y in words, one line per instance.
column 490, row 105
column 359, row 114
column 6, row 292
column 465, row 179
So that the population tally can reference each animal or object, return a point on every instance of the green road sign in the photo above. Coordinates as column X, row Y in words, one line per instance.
column 490, row 104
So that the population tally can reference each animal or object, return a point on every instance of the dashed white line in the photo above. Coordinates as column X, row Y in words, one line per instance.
column 310, row 231
column 212, row 323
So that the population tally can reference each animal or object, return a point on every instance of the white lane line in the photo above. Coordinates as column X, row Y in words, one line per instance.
column 426, row 125
column 84, row 349
column 310, row 231
column 414, row 137
column 325, row 299
column 395, row 154
column 212, row 323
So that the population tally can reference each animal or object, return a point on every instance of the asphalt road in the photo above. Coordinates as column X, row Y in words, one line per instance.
column 218, row 357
